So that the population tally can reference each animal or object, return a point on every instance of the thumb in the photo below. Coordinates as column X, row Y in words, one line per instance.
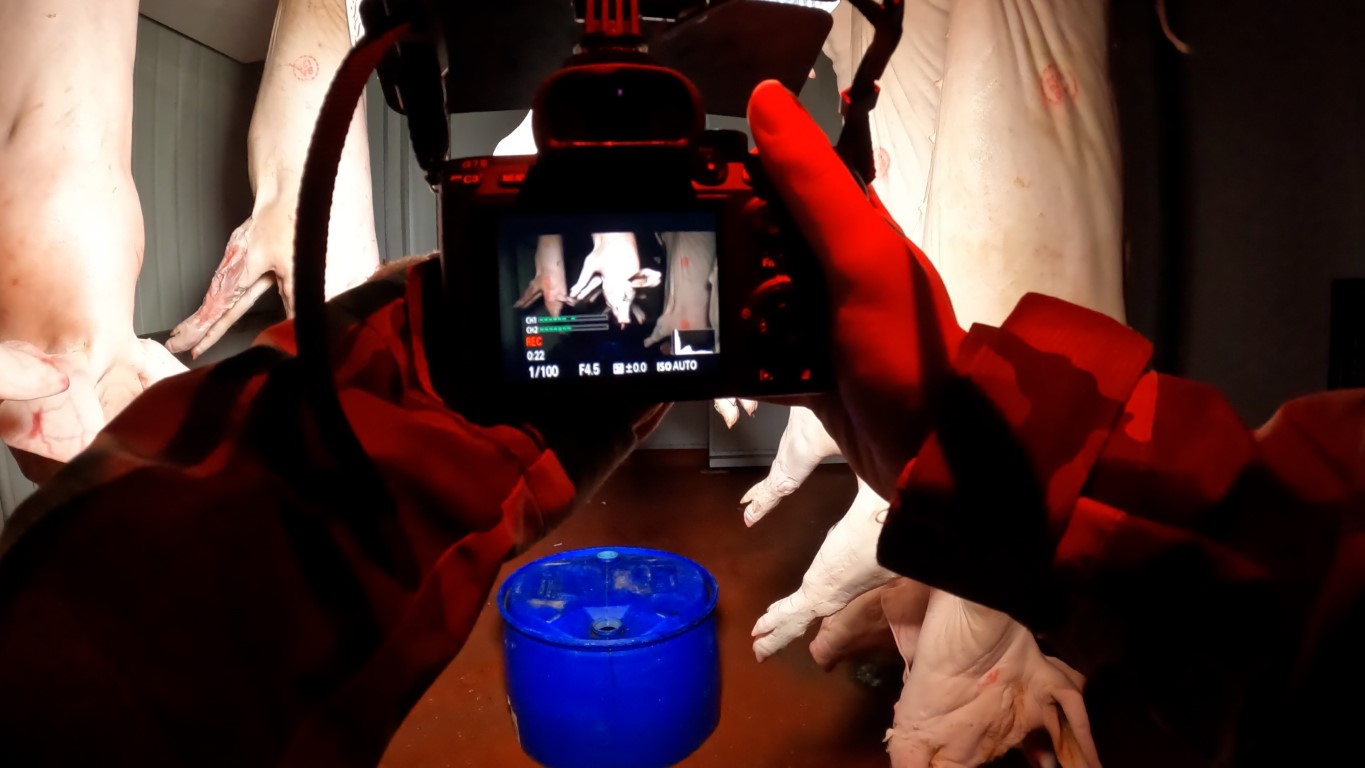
column 818, row 189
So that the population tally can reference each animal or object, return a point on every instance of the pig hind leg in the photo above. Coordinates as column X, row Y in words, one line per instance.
column 845, row 567
column 860, row 628
column 688, row 293
column 804, row 444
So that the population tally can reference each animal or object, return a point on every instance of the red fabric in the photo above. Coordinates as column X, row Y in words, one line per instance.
column 1141, row 527
column 1033, row 400
column 290, row 626
column 894, row 330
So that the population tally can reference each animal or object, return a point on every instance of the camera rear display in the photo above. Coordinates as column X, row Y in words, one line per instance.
column 609, row 296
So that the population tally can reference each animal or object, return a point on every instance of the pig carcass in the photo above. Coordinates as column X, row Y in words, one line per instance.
column 612, row 268
column 976, row 684
column 845, row 567
column 309, row 40
column 548, row 284
column 691, row 301
column 71, row 237
column 996, row 148
column 965, row 663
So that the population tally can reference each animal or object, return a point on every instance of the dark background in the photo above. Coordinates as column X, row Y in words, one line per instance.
column 1244, row 188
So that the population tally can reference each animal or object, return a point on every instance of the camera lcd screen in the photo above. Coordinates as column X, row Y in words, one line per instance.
column 609, row 296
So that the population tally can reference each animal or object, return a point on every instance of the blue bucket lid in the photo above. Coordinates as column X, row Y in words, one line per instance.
column 607, row 597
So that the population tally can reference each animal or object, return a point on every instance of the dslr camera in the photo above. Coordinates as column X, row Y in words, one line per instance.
column 639, row 256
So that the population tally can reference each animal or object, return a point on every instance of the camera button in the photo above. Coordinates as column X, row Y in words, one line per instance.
column 761, row 219
column 709, row 169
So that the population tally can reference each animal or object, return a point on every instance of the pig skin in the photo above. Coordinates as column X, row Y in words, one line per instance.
column 976, row 686
column 71, row 231
column 549, row 284
column 27, row 373
column 729, row 408
column 613, row 269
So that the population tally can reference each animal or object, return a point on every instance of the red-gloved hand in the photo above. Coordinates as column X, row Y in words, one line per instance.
column 894, row 333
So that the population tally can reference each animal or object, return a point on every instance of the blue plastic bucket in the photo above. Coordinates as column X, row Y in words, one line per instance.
column 611, row 657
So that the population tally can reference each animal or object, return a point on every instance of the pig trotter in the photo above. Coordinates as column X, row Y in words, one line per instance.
column 763, row 497
column 728, row 408
column 613, row 266
column 549, row 278
column 234, row 289
column 785, row 620
column 844, row 568
column 804, row 444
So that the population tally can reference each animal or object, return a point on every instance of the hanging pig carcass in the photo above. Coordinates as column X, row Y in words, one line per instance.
column 307, row 44
column 71, row 230
column 996, row 149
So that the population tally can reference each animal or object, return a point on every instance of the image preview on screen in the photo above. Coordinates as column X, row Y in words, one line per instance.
column 608, row 295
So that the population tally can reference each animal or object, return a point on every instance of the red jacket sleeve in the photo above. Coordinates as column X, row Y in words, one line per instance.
column 204, row 587
column 1133, row 520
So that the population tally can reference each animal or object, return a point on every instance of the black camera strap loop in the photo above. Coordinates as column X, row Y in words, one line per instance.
column 310, row 261
column 857, row 102
column 410, row 75
column 613, row 18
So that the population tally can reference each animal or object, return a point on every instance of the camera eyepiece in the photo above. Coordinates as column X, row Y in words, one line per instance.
column 617, row 104
column 611, row 93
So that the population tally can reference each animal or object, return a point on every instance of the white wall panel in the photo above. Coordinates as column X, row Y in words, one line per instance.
column 405, row 208
column 191, row 109
column 238, row 28
column 14, row 487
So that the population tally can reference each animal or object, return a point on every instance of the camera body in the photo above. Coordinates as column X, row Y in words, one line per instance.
column 638, row 257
